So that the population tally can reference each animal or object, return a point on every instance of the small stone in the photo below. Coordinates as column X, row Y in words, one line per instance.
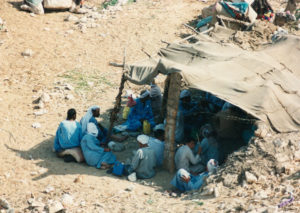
column 261, row 195
column 69, row 32
column 71, row 18
column 69, row 97
column 289, row 188
column 33, row 173
column 216, row 192
column 46, row 29
column 82, row 203
column 27, row 52
column 49, row 189
column 36, row 125
column 45, row 97
column 129, row 189
column 83, row 19
column 4, row 203
column 40, row 112
column 250, row 178
column 67, row 200
column 55, row 207
column 277, row 142
column 35, row 204
column 1, row 21
column 69, row 87
column 32, row 15
column 173, row 194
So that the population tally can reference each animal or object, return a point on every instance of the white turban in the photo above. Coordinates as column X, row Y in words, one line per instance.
column 86, row 118
column 184, row 93
column 145, row 94
column 92, row 129
column 212, row 166
column 155, row 91
column 143, row 139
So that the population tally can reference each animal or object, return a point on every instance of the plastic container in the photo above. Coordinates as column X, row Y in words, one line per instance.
column 146, row 127
column 126, row 111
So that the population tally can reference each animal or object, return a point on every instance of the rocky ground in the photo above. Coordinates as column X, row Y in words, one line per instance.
column 59, row 60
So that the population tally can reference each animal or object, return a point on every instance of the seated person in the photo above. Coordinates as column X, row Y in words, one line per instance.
column 36, row 6
column 95, row 155
column 140, row 112
column 157, row 143
column 156, row 101
column 68, row 135
column 144, row 160
column 185, row 181
column 185, row 158
column 190, row 112
column 90, row 117
column 215, row 103
column 209, row 147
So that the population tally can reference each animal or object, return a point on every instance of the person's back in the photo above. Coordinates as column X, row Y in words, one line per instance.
column 147, row 162
column 158, row 147
column 68, row 134
column 210, row 149
column 181, row 160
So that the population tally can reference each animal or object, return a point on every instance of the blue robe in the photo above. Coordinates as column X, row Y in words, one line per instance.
column 138, row 112
column 68, row 135
column 195, row 183
column 102, row 133
column 94, row 155
column 210, row 150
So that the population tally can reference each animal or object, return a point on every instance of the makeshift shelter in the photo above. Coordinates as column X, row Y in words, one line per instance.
column 264, row 83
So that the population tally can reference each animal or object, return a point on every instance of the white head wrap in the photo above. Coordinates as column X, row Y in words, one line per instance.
column 159, row 127
column 143, row 139
column 212, row 166
column 184, row 93
column 145, row 94
column 86, row 118
column 92, row 129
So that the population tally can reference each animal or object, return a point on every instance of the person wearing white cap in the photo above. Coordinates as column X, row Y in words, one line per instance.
column 140, row 112
column 95, row 155
column 144, row 160
column 185, row 181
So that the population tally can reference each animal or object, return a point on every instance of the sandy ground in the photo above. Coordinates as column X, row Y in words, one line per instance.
column 62, row 54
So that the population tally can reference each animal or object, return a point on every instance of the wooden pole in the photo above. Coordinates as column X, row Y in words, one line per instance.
column 117, row 107
column 172, row 107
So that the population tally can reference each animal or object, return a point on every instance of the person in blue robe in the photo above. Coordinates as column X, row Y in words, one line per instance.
column 185, row 181
column 95, row 155
column 90, row 117
column 68, row 134
column 140, row 112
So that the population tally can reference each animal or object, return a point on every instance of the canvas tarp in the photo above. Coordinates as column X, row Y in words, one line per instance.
column 264, row 83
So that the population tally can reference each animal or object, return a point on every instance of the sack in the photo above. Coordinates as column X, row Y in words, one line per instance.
column 118, row 168
column 126, row 112
column 58, row 4
column 146, row 127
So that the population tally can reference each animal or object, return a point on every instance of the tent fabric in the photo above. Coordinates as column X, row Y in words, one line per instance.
column 264, row 83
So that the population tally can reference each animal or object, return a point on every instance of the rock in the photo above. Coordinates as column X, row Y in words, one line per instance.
column 277, row 142
column 129, row 189
column 71, row 18
column 84, row 19
column 207, row 191
column 1, row 21
column 69, row 97
column 4, row 204
column 27, row 52
column 40, row 112
column 250, row 178
column 82, row 203
column 45, row 97
column 261, row 195
column 132, row 177
column 46, row 29
column 67, row 200
column 49, row 189
column 35, row 204
column 55, row 207
column 36, row 125
column 33, row 173
column 216, row 192
column 32, row 15
column 68, row 87
column 230, row 180
column 289, row 188
column 69, row 32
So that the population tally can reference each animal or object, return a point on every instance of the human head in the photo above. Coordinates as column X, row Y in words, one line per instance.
column 145, row 95
column 207, row 131
column 212, row 166
column 190, row 142
column 71, row 114
column 143, row 141
column 96, row 111
column 159, row 132
column 92, row 129
column 185, row 96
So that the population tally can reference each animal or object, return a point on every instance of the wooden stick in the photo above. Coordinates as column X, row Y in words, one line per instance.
column 191, row 28
column 115, row 64
column 146, row 53
column 117, row 107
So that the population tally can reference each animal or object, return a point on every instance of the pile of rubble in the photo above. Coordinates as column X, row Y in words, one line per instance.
column 267, row 168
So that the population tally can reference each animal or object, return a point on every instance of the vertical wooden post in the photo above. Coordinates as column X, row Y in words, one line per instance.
column 172, row 107
column 165, row 97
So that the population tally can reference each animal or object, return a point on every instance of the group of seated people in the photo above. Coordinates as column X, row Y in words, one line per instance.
column 196, row 156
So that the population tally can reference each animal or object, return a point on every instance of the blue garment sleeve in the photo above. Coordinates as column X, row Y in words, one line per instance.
column 57, row 146
column 149, row 114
